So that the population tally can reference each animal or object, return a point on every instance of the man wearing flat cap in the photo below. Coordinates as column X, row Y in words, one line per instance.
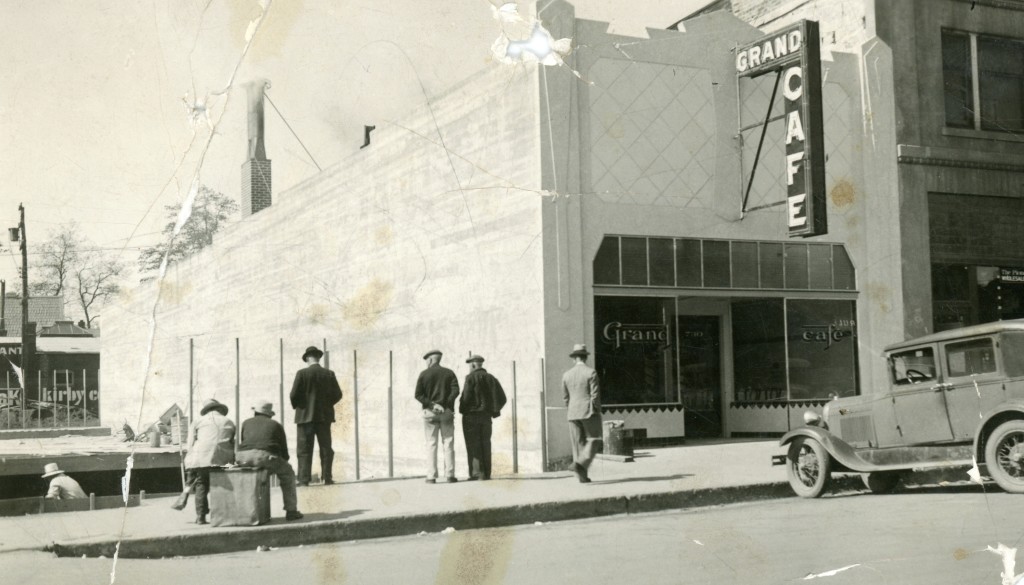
column 262, row 445
column 436, row 389
column 211, row 443
column 582, row 394
column 482, row 400
column 313, row 396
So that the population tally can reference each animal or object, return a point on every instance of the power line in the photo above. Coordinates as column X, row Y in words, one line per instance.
column 266, row 95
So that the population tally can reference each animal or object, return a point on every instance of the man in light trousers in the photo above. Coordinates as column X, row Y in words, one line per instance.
column 436, row 389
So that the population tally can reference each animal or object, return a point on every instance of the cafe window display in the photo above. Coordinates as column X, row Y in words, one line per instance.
column 635, row 350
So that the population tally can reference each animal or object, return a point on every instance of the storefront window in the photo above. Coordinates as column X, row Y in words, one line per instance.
column 822, row 348
column 966, row 295
column 635, row 350
column 759, row 350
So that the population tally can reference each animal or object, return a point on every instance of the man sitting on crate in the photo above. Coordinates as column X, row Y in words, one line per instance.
column 263, row 445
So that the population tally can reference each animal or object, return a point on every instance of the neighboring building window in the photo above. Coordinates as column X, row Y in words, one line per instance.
column 970, row 358
column 64, row 378
column 958, row 80
column 986, row 71
column 968, row 294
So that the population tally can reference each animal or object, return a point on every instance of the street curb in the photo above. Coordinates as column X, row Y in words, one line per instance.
column 341, row 530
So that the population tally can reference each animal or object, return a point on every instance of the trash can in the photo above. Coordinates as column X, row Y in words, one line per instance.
column 617, row 439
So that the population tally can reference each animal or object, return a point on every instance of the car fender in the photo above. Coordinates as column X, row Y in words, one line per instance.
column 841, row 451
column 989, row 421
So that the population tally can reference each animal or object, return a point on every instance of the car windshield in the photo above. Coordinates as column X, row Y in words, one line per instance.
column 913, row 366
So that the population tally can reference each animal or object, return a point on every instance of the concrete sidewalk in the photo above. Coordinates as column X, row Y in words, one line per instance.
column 698, row 474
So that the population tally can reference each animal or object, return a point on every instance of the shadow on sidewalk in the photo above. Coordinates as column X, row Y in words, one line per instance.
column 550, row 475
column 322, row 516
column 650, row 478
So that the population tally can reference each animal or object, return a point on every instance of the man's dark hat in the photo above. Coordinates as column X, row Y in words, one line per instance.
column 432, row 352
column 212, row 404
column 475, row 358
column 314, row 351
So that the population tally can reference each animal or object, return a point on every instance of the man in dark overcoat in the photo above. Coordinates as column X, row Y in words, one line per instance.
column 436, row 390
column 313, row 396
column 482, row 400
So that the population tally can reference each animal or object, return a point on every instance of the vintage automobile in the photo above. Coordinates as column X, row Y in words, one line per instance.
column 954, row 398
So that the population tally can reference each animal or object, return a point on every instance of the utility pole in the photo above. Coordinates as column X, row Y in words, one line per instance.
column 24, row 278
column 3, row 308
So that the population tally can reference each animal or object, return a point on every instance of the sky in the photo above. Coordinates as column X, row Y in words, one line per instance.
column 95, row 96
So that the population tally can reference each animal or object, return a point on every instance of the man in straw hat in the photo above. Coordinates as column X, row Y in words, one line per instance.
column 482, row 400
column 264, row 446
column 211, row 443
column 582, row 394
column 62, row 487
column 436, row 389
column 313, row 396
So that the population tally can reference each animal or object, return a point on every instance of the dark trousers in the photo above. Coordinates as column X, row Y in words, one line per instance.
column 321, row 431
column 476, row 428
column 199, row 477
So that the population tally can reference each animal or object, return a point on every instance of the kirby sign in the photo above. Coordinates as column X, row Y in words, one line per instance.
column 794, row 55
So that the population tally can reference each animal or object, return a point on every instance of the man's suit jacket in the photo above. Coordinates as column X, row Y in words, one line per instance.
column 314, row 394
column 582, row 392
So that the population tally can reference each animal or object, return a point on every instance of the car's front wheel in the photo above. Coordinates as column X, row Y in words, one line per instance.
column 809, row 467
column 1004, row 456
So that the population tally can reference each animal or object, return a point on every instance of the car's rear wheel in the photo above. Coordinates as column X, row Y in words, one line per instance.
column 882, row 482
column 1004, row 456
column 809, row 467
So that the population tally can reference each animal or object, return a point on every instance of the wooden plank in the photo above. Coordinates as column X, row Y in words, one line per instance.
column 79, row 462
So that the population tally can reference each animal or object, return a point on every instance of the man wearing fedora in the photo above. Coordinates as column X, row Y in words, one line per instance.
column 313, row 396
column 262, row 445
column 62, row 487
column 482, row 400
column 211, row 443
column 582, row 394
column 436, row 389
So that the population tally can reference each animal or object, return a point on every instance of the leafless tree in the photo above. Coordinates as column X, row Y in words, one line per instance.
column 96, row 278
column 55, row 259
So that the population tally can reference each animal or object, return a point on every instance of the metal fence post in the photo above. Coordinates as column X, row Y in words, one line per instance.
column 515, row 425
column 543, row 420
column 85, row 400
column 238, row 390
column 355, row 403
column 68, row 390
column 280, row 388
column 39, row 398
column 391, row 444
column 191, row 378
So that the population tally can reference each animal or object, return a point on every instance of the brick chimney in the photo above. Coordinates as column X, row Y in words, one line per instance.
column 256, row 177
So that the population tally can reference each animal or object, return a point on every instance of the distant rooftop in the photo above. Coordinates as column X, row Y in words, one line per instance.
column 65, row 329
column 43, row 311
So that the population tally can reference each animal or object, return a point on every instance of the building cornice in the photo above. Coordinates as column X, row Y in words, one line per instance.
column 1005, row 4
column 944, row 157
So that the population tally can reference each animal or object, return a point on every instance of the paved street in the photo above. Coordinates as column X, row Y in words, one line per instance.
column 920, row 536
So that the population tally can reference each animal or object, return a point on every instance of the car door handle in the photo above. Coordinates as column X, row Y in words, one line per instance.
column 941, row 387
